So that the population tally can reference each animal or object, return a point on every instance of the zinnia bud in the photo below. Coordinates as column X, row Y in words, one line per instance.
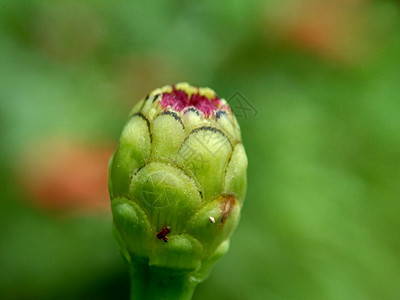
column 177, row 183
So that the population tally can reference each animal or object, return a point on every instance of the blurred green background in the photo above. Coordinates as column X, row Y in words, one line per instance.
column 322, row 215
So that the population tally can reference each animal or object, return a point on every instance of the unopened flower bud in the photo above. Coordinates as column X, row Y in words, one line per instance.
column 177, row 183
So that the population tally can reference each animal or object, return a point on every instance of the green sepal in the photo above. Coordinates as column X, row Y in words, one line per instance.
column 134, row 148
column 132, row 225
column 235, row 176
column 166, row 194
column 182, row 252
column 168, row 134
column 214, row 222
column 205, row 152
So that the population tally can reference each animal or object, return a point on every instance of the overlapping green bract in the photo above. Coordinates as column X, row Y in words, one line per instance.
column 181, row 169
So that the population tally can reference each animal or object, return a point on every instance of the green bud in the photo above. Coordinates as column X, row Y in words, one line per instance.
column 177, row 183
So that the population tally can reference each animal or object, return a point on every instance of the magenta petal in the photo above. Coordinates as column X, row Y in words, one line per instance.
column 178, row 100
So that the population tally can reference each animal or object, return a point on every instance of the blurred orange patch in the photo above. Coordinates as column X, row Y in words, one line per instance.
column 68, row 176
column 337, row 30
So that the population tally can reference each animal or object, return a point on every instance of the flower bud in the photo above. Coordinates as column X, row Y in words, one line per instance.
column 177, row 181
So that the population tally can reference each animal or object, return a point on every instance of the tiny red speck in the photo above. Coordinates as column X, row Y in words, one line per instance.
column 162, row 235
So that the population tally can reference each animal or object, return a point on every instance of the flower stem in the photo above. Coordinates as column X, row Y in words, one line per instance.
column 155, row 283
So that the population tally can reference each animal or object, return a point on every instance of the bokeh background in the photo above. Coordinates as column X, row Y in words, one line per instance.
column 321, row 87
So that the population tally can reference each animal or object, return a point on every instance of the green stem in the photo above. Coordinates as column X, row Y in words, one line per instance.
column 148, row 283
